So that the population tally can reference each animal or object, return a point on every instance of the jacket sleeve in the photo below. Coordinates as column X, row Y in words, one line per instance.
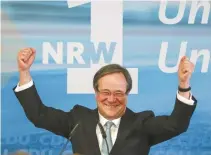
column 162, row 128
column 54, row 120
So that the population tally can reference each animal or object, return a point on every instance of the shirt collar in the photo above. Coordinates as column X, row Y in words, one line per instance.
column 103, row 120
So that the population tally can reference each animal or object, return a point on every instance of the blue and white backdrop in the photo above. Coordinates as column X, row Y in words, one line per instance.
column 74, row 38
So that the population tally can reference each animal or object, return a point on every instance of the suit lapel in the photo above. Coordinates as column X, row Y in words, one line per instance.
column 125, row 127
column 90, row 134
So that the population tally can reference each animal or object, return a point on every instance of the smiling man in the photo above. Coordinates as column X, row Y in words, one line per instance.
column 125, row 132
column 112, row 84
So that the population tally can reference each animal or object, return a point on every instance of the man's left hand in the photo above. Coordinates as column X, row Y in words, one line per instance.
column 185, row 71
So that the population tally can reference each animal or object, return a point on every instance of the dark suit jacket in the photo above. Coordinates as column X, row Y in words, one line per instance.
column 137, row 131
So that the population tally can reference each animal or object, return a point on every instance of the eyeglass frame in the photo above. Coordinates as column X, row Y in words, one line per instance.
column 104, row 91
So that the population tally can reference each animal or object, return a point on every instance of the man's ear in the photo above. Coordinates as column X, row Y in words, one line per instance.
column 95, row 93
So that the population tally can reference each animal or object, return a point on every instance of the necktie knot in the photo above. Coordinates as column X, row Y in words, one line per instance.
column 109, row 124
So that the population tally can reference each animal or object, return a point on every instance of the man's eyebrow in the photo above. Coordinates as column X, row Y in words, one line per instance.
column 119, row 91
column 114, row 91
column 104, row 89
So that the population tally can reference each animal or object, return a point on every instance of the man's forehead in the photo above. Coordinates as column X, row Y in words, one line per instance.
column 113, row 85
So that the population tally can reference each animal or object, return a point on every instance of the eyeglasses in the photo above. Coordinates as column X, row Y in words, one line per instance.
column 107, row 93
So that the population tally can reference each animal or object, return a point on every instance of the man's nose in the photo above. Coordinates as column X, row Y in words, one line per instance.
column 111, row 98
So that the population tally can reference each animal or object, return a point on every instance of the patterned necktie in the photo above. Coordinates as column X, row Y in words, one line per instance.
column 104, row 150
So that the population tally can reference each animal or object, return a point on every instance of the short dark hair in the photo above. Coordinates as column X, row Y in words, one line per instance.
column 110, row 69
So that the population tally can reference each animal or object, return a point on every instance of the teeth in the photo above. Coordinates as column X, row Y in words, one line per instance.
column 111, row 105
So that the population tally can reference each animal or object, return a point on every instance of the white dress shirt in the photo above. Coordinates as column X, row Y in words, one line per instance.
column 115, row 127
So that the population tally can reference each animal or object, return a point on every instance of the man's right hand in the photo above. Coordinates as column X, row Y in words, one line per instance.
column 25, row 59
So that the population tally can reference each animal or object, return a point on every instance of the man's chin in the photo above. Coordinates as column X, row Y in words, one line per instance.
column 111, row 115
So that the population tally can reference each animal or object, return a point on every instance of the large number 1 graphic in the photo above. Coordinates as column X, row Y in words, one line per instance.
column 106, row 26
